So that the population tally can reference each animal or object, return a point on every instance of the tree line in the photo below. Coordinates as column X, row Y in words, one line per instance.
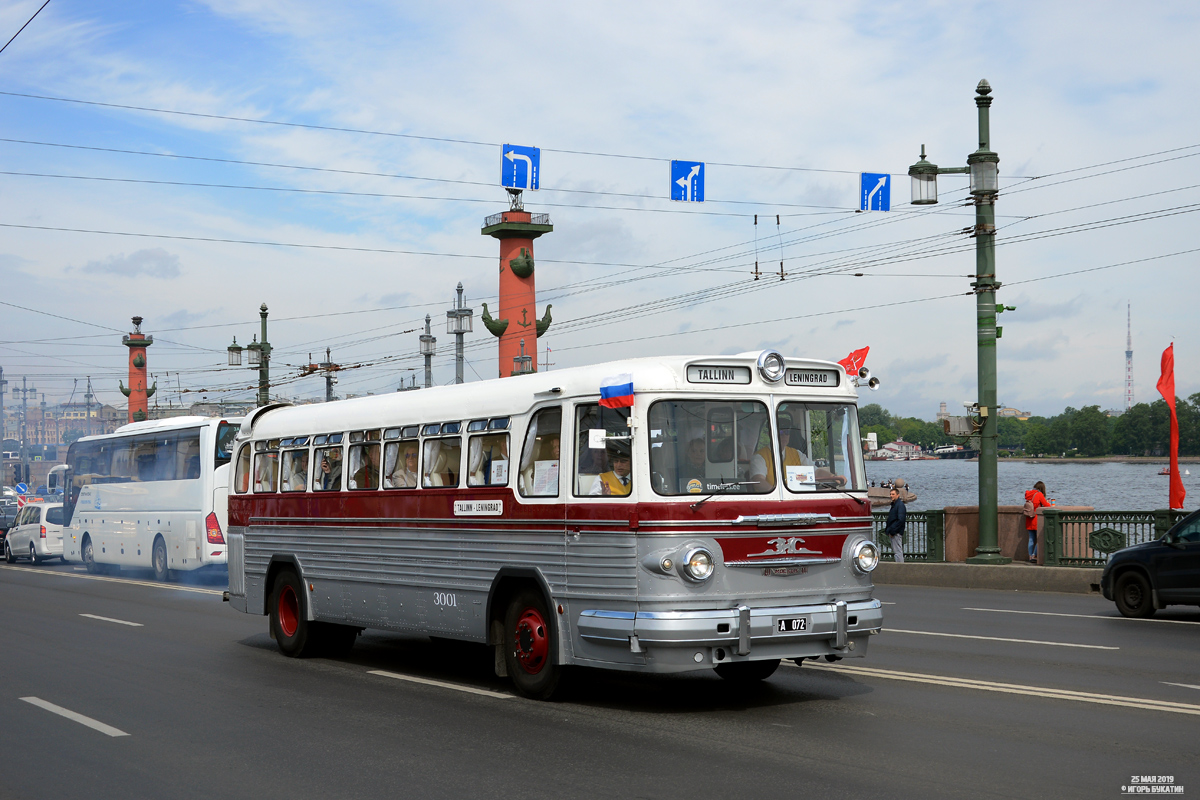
column 1143, row 430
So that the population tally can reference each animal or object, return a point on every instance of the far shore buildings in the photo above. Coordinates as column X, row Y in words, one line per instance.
column 1003, row 412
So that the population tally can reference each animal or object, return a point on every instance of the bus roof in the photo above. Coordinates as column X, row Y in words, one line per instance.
column 516, row 395
column 168, row 424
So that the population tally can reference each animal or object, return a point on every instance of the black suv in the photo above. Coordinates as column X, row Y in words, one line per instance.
column 8, row 514
column 1154, row 575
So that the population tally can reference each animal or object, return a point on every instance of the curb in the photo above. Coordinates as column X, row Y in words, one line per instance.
column 1019, row 577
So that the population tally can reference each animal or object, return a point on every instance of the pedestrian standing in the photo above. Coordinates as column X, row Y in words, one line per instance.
column 1035, row 498
column 895, row 525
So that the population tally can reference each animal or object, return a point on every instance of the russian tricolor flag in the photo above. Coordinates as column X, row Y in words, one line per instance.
column 617, row 391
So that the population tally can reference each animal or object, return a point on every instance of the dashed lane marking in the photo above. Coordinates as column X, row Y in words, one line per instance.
column 118, row 621
column 1184, row 685
column 95, row 725
column 131, row 581
column 1002, row 639
column 1082, row 616
column 1012, row 688
column 444, row 684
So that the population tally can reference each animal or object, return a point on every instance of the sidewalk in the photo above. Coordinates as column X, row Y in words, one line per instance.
column 1018, row 576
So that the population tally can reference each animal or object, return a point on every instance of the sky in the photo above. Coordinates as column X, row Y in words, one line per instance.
column 188, row 161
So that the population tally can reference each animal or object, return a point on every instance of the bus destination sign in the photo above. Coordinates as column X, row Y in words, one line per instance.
column 702, row 373
column 812, row 377
column 478, row 508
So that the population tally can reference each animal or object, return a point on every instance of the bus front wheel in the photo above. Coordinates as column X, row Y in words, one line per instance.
column 531, row 649
column 89, row 556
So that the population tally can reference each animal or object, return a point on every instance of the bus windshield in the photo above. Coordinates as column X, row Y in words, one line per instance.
column 702, row 446
column 820, row 449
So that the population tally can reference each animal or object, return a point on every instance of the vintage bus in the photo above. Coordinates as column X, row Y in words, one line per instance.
column 694, row 514
column 150, row 495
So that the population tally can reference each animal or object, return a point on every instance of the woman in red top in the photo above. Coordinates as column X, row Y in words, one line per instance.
column 1035, row 497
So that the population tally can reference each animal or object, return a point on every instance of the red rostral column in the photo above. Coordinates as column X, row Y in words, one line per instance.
column 516, row 319
column 137, row 392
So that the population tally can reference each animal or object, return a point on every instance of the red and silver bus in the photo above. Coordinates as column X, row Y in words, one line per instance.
column 695, row 514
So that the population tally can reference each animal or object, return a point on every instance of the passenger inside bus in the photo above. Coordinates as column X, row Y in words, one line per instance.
column 295, row 471
column 693, row 468
column 400, row 466
column 329, row 476
column 443, row 458
column 617, row 481
column 266, row 471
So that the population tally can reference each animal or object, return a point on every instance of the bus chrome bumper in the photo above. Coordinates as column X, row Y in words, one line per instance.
column 827, row 628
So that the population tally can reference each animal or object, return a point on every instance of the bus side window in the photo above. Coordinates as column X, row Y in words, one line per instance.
column 188, row 463
column 443, row 462
column 327, row 469
column 266, row 471
column 487, row 460
column 241, row 475
column 592, row 465
column 540, row 454
column 364, row 466
column 294, row 467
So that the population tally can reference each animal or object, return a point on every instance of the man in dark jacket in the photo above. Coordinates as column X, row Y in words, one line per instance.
column 895, row 525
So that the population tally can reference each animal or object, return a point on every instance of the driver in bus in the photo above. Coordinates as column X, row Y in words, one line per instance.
column 616, row 482
column 762, row 466
column 693, row 466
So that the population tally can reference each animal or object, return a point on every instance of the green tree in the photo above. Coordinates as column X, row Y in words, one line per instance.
column 874, row 414
column 1089, row 431
column 1038, row 440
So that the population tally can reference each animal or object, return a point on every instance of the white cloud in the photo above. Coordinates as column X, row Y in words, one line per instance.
column 156, row 263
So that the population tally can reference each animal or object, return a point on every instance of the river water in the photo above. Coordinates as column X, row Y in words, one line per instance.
column 1106, row 486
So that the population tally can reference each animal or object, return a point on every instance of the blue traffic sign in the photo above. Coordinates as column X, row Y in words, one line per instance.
column 876, row 194
column 687, row 181
column 22, row 488
column 519, row 166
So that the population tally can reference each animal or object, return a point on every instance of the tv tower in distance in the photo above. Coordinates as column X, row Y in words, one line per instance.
column 1128, row 358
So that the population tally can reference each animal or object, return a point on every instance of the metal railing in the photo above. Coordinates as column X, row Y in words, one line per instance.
column 1086, row 538
column 924, row 536
column 535, row 219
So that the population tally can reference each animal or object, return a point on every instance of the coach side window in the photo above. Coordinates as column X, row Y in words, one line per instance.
column 294, row 470
column 539, row 456
column 487, row 460
column 241, row 475
column 327, row 463
column 364, row 460
column 266, row 466
column 400, row 460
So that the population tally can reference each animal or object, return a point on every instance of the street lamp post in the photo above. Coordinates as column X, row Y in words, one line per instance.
column 428, row 348
column 458, row 322
column 258, row 355
column 984, row 186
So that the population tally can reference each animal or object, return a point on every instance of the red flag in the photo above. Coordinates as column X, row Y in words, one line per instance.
column 853, row 362
column 1166, row 387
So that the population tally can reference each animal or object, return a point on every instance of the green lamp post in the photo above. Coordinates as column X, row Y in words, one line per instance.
column 258, row 355
column 982, row 166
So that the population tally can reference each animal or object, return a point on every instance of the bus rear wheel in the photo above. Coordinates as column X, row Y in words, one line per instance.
column 289, row 626
column 88, row 555
column 158, row 560
column 748, row 671
column 531, row 646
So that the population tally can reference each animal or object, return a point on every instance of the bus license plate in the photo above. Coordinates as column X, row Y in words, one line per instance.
column 791, row 625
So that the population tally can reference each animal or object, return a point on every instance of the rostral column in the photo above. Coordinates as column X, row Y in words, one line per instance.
column 137, row 392
column 516, row 317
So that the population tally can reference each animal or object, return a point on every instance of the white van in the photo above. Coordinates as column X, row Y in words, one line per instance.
column 37, row 533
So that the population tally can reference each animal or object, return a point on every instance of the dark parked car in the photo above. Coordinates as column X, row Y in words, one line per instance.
column 8, row 513
column 1154, row 575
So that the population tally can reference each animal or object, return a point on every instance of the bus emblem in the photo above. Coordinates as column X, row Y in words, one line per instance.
column 792, row 545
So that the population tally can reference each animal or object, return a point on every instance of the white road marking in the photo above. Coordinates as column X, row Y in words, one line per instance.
column 884, row 602
column 1001, row 639
column 79, row 569
column 152, row 584
column 445, row 685
column 1012, row 688
column 110, row 619
column 71, row 715
column 1082, row 616
column 1184, row 685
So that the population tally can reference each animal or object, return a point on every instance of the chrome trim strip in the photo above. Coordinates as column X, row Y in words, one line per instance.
column 782, row 562
column 608, row 614
column 783, row 520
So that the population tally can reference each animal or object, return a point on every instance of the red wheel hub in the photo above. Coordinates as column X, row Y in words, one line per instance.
column 289, row 611
column 532, row 641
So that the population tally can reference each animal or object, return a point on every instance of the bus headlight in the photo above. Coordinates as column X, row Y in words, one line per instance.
column 698, row 565
column 866, row 556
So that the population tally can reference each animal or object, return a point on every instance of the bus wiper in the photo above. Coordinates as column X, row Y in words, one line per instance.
column 723, row 487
